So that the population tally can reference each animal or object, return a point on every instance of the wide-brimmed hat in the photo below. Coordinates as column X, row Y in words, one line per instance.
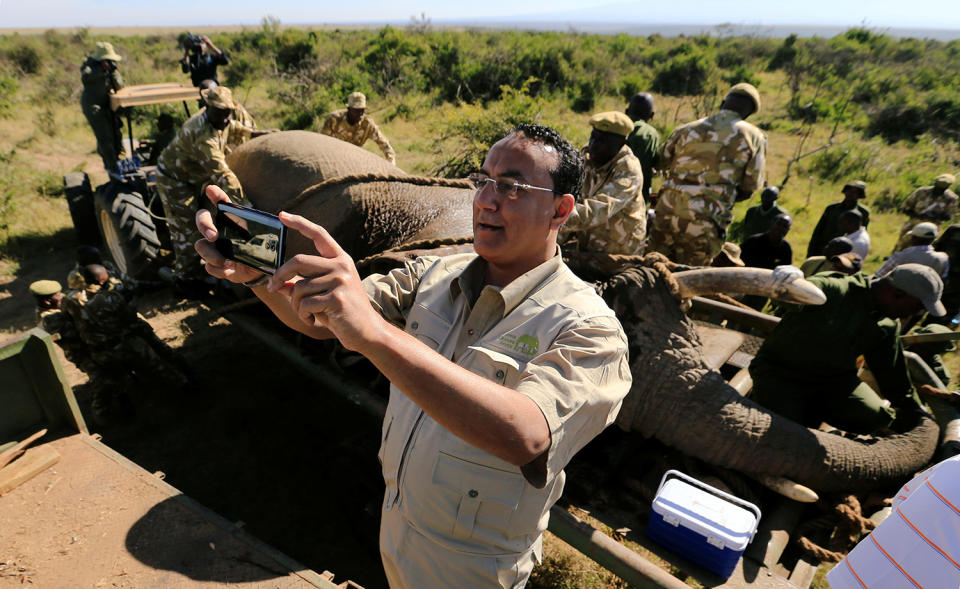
column 104, row 52
column 858, row 184
column 731, row 252
column 357, row 100
column 748, row 91
column 921, row 282
column 219, row 97
column 947, row 179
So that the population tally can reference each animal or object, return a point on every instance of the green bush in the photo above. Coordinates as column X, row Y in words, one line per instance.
column 688, row 72
column 25, row 57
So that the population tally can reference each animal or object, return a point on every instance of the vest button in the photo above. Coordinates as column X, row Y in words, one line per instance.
column 473, row 493
column 415, row 325
column 499, row 374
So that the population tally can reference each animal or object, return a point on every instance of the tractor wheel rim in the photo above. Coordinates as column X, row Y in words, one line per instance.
column 112, row 238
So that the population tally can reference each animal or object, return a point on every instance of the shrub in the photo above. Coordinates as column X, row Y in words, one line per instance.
column 688, row 72
column 25, row 57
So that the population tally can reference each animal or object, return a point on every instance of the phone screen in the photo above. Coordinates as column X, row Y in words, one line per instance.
column 251, row 237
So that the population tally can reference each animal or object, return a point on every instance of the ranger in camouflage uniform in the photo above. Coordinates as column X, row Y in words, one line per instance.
column 611, row 217
column 100, row 79
column 936, row 204
column 240, row 115
column 353, row 126
column 54, row 319
column 710, row 164
column 195, row 158
column 120, row 342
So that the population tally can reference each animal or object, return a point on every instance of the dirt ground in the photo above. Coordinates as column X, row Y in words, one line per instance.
column 255, row 441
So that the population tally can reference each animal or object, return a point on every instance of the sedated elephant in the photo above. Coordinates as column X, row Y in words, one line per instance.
column 369, row 205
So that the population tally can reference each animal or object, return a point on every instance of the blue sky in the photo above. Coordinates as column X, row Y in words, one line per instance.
column 933, row 14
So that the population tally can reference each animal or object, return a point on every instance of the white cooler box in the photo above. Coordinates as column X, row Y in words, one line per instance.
column 701, row 523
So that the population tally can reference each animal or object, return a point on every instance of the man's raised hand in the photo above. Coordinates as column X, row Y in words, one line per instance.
column 216, row 264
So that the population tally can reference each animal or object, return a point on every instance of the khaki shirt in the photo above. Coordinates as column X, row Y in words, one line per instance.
column 338, row 126
column 612, row 216
column 197, row 155
column 712, row 160
column 547, row 335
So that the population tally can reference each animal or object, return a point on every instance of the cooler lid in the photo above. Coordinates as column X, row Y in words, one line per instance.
column 720, row 520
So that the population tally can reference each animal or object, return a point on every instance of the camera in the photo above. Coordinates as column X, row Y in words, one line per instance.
column 193, row 42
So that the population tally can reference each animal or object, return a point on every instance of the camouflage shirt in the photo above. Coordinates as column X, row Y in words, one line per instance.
column 715, row 159
column 98, row 83
column 337, row 126
column 924, row 204
column 104, row 317
column 612, row 216
column 197, row 155
column 235, row 139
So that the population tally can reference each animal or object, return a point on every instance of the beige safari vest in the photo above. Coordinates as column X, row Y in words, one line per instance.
column 549, row 336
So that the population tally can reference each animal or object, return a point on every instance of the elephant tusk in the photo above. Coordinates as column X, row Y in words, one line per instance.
column 753, row 281
column 787, row 488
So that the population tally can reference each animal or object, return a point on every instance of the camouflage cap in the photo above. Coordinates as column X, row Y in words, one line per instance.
column 357, row 100
column 920, row 282
column 748, row 91
column 924, row 230
column 612, row 122
column 104, row 52
column 947, row 179
column 858, row 184
column 219, row 97
column 44, row 288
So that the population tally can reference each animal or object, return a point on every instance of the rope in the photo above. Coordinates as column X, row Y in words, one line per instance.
column 844, row 526
column 374, row 178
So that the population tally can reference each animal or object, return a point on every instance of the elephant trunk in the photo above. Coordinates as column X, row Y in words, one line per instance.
column 677, row 399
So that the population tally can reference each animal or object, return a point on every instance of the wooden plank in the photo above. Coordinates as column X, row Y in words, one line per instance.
column 152, row 94
column 803, row 572
column 32, row 463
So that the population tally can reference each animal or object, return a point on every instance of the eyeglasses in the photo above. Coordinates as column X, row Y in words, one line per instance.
column 507, row 188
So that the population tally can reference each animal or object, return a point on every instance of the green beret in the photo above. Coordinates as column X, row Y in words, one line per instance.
column 748, row 91
column 44, row 288
column 612, row 122
column 947, row 179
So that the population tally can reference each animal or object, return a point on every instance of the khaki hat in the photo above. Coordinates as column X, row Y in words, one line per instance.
column 749, row 91
column 921, row 282
column 924, row 230
column 947, row 179
column 612, row 122
column 357, row 100
column 219, row 97
column 859, row 184
column 104, row 52
column 849, row 262
column 44, row 288
column 731, row 251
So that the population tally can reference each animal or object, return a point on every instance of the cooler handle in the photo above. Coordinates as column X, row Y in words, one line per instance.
column 733, row 498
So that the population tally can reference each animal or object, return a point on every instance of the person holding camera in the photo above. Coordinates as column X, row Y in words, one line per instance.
column 503, row 364
column 100, row 79
column 201, row 58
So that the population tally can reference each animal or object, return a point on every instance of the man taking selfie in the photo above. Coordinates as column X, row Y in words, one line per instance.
column 502, row 366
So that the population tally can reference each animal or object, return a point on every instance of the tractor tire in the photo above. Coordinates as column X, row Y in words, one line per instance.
column 76, row 187
column 129, row 233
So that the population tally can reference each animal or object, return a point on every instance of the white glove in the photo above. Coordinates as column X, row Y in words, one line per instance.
column 783, row 275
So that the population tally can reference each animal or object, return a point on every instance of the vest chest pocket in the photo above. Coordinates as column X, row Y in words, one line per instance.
column 488, row 496
column 496, row 366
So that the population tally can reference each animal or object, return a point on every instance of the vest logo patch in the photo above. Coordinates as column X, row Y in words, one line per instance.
column 527, row 345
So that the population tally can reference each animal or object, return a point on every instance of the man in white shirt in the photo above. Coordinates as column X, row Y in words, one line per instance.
column 851, row 223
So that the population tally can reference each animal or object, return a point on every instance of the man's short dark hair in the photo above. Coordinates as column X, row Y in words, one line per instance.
column 568, row 175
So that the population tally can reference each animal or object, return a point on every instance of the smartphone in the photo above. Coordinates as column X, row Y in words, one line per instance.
column 254, row 238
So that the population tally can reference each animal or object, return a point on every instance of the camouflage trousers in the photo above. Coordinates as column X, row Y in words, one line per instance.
column 683, row 232
column 180, row 206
